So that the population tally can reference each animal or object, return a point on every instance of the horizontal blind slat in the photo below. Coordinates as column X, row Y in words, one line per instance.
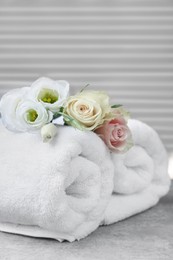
column 126, row 49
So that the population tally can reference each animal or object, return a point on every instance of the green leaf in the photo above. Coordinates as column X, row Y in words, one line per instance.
column 61, row 109
column 116, row 106
column 56, row 115
column 71, row 121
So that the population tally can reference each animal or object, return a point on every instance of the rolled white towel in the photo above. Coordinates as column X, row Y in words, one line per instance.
column 59, row 189
column 67, row 188
column 140, row 175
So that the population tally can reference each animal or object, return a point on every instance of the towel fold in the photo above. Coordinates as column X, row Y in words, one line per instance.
column 67, row 188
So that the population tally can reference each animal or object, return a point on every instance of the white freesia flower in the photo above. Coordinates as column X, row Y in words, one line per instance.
column 48, row 132
column 8, row 105
column 21, row 115
column 32, row 115
column 52, row 94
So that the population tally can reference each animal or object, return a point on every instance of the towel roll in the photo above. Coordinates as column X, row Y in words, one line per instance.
column 140, row 175
column 67, row 188
column 59, row 189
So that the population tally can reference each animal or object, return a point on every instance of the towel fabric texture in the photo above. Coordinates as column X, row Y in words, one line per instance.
column 67, row 188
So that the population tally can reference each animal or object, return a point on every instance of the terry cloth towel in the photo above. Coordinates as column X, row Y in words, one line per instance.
column 140, row 175
column 59, row 189
column 66, row 189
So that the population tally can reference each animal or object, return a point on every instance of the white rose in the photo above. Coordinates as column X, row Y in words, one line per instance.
column 88, row 108
column 8, row 105
column 50, row 93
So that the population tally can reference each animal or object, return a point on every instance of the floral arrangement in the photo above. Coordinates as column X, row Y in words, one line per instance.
column 46, row 104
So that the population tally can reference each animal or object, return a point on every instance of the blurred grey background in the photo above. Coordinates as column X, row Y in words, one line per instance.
column 124, row 47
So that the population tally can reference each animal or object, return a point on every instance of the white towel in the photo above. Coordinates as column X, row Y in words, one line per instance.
column 140, row 175
column 59, row 189
column 67, row 188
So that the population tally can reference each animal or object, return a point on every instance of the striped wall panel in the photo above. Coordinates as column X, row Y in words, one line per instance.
column 124, row 47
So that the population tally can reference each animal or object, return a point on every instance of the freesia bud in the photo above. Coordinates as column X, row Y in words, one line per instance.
column 48, row 132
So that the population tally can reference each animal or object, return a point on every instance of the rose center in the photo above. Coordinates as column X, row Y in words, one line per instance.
column 82, row 109
column 118, row 133
column 32, row 115
column 48, row 96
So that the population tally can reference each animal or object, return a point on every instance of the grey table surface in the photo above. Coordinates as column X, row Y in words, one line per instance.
column 148, row 235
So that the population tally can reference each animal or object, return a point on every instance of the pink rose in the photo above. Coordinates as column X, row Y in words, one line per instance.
column 116, row 134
